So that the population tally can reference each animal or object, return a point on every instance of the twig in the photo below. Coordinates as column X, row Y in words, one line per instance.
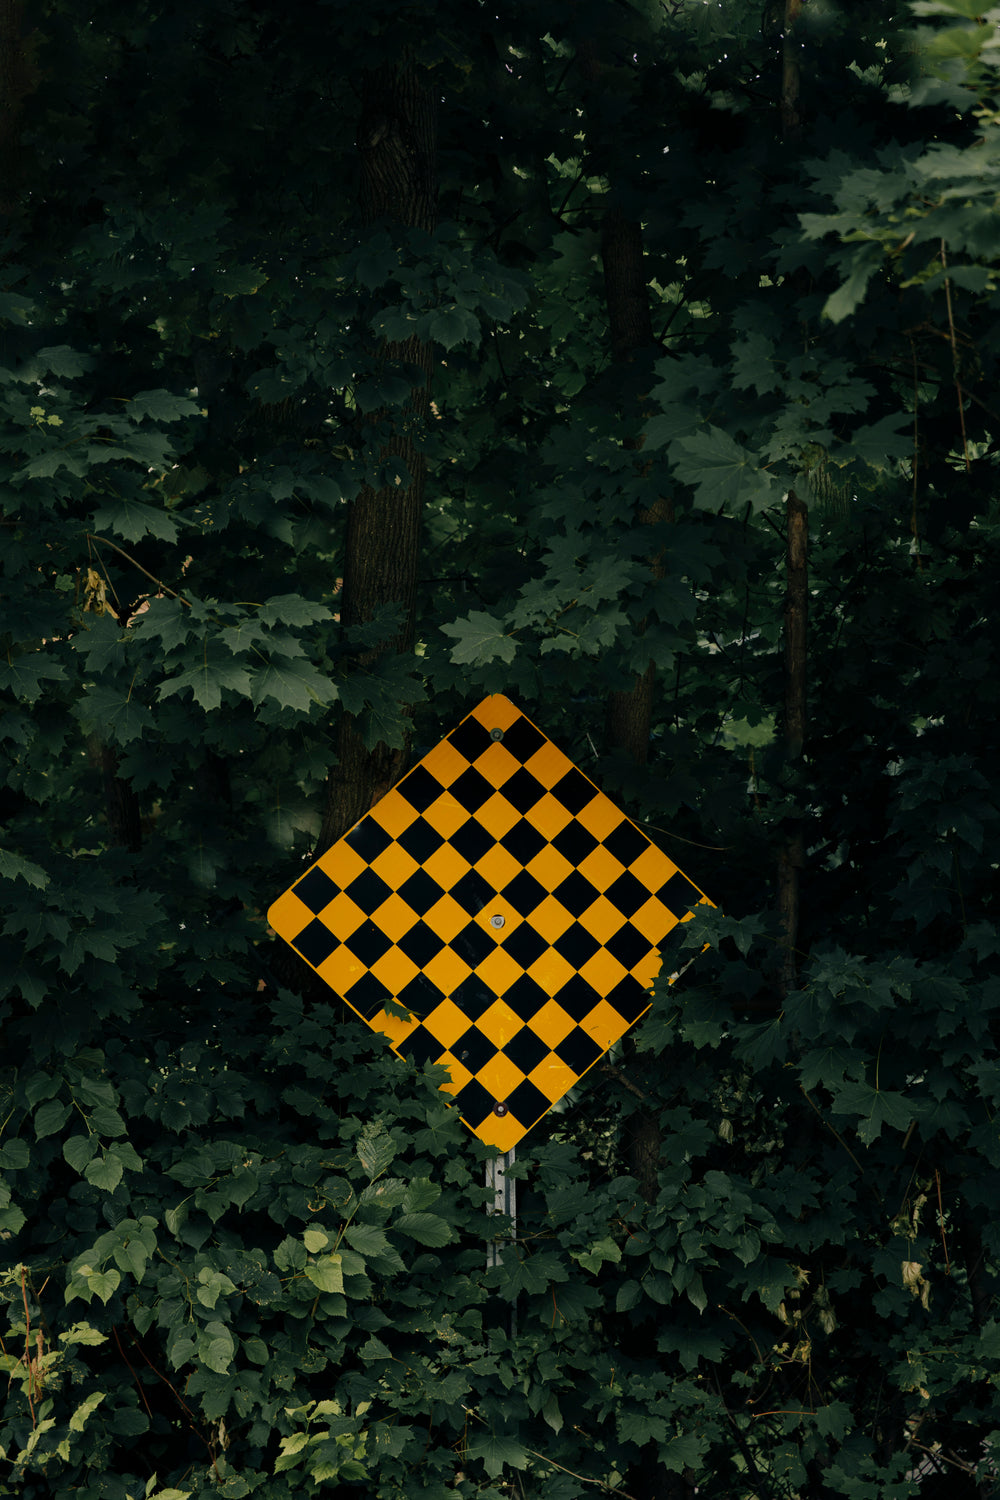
column 103, row 542
column 121, row 1351
column 954, row 358
column 625, row 1082
column 944, row 1242
column 835, row 1132
column 178, row 1398
column 609, row 1489
column 717, row 848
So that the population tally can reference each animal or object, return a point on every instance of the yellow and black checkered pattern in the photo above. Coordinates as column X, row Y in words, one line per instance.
column 507, row 904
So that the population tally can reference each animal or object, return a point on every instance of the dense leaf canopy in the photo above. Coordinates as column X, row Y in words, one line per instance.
column 358, row 362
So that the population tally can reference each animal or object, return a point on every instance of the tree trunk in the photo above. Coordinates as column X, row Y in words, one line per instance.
column 630, row 328
column 630, row 323
column 791, row 119
column 18, row 79
column 629, row 721
column 121, row 805
column 396, row 143
column 792, row 858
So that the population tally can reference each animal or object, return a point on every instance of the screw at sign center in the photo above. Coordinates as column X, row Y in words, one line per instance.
column 496, row 921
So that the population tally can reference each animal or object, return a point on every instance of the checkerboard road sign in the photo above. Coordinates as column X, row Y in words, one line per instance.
column 507, row 904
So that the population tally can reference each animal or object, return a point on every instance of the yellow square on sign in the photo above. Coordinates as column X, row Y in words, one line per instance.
column 506, row 902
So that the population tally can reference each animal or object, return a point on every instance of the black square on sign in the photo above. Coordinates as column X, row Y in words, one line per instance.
column 368, row 839
column 419, row 788
column 471, row 790
column 526, row 1050
column 473, row 997
column 420, row 1047
column 679, row 895
column 525, row 997
column 577, row 945
column 630, row 999
column 524, row 893
column 368, row 996
column 420, row 840
column 577, row 998
column 473, row 943
column 470, row 739
column 574, row 791
column 316, row 943
column 626, row 843
column 522, row 790
column 522, row 739
column 420, row 944
column 574, row 843
column 629, row 946
column 527, row 1104
column 578, row 1051
column 474, row 1103
column 420, row 892
column 525, row 945
column 472, row 892
column 473, row 1049
column 419, row 996
column 368, row 943
column 627, row 894
column 368, row 891
column 316, row 890
column 471, row 841
column 523, row 842
column 576, row 894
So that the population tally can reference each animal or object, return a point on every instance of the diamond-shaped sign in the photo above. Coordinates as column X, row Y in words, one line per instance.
column 507, row 904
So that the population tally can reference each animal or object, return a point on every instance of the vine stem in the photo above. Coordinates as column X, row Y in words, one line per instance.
column 27, row 1343
column 954, row 357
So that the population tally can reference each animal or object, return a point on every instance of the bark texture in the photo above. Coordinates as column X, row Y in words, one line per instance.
column 396, row 145
column 121, row 805
column 630, row 328
column 18, row 79
column 791, row 119
column 792, row 858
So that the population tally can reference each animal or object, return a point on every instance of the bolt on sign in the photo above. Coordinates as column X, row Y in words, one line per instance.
column 499, row 898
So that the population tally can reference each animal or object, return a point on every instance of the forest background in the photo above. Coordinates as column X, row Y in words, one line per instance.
column 638, row 361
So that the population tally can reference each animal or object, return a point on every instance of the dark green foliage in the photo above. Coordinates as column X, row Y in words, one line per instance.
column 243, row 1243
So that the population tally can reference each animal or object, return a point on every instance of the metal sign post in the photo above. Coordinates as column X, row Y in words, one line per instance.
column 504, row 1190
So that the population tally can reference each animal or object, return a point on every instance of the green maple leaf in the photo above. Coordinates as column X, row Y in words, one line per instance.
column 293, row 609
column 877, row 1107
column 14, row 866
column 841, row 303
column 725, row 475
column 754, row 366
column 480, row 638
column 162, row 406
column 133, row 520
column 207, row 680
column 118, row 715
column 880, row 442
column 22, row 675
column 292, row 683
column 496, row 1452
